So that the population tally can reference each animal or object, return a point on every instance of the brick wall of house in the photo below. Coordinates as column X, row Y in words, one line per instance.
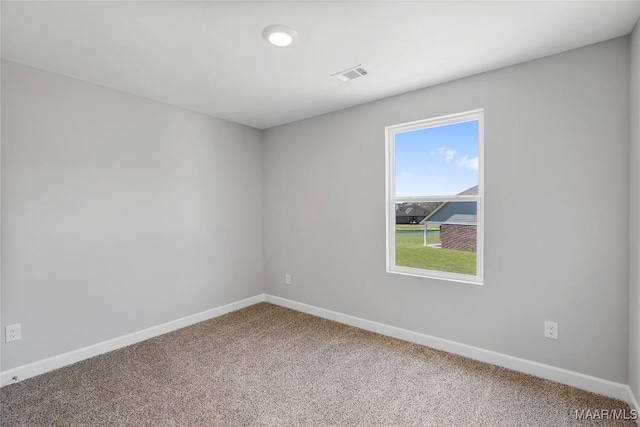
column 459, row 237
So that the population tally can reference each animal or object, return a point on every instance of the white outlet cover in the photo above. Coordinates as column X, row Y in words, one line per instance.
column 287, row 279
column 551, row 330
column 13, row 332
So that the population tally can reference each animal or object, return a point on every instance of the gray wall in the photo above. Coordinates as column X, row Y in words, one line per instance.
column 634, row 216
column 557, row 171
column 119, row 213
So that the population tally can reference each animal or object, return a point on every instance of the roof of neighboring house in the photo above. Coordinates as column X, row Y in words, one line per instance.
column 412, row 210
column 462, row 219
column 473, row 191
column 448, row 209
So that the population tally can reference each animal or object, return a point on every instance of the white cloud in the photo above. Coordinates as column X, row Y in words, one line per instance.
column 448, row 154
column 469, row 163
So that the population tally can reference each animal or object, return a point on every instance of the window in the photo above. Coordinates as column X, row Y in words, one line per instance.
column 434, row 197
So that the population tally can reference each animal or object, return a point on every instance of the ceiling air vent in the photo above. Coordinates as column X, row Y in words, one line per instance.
column 350, row 73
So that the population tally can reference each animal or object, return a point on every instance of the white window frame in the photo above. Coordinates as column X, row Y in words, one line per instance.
column 392, row 199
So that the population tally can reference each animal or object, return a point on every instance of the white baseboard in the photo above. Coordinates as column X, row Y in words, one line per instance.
column 564, row 376
column 40, row 367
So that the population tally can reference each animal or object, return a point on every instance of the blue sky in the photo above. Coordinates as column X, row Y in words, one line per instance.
column 437, row 161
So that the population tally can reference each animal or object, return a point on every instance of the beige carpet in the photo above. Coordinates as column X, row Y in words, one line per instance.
column 270, row 366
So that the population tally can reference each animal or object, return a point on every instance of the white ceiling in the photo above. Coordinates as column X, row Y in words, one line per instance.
column 210, row 56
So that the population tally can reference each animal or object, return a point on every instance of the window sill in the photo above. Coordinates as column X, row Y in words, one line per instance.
column 438, row 275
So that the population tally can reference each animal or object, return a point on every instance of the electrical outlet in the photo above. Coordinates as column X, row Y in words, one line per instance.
column 551, row 330
column 287, row 279
column 13, row 333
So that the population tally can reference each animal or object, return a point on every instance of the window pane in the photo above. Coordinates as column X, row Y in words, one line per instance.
column 437, row 161
column 451, row 236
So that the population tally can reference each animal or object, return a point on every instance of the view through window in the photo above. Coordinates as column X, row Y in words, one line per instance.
column 434, row 196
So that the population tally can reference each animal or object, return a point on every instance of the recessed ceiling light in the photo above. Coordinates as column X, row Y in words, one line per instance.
column 279, row 35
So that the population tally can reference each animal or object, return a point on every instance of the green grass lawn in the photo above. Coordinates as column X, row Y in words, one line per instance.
column 411, row 252
column 414, row 227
